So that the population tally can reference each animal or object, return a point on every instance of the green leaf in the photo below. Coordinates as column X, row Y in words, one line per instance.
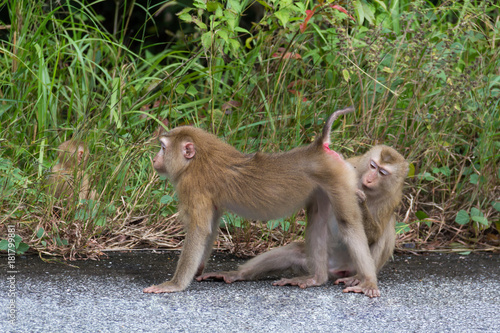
column 186, row 17
column 180, row 89
column 206, row 40
column 81, row 214
column 240, row 29
column 421, row 215
column 401, row 228
column 426, row 176
column 100, row 221
column 247, row 43
column 223, row 34
column 40, row 232
column 59, row 241
column 283, row 15
column 23, row 247
column 4, row 244
column 381, row 4
column 346, row 75
column 286, row 225
column 445, row 171
column 496, row 205
column 17, row 240
column 212, row 6
column 474, row 178
column 184, row 11
column 166, row 199
column 272, row 224
column 475, row 212
column 411, row 172
column 235, row 45
column 265, row 4
column 481, row 219
column 358, row 8
column 192, row 90
column 200, row 24
column 231, row 20
column 232, row 220
column 462, row 217
column 111, row 209
column 200, row 4
column 236, row 5
column 387, row 70
column 368, row 11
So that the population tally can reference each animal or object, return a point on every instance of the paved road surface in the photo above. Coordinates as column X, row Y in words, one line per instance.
column 431, row 293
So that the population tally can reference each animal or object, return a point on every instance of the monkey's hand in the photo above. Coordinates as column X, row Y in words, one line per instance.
column 353, row 284
column 303, row 282
column 361, row 195
column 228, row 277
column 165, row 287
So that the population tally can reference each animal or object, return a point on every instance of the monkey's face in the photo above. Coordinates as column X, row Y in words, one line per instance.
column 374, row 174
column 173, row 157
column 384, row 168
column 161, row 160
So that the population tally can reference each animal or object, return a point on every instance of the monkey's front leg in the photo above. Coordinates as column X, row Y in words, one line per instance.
column 197, row 237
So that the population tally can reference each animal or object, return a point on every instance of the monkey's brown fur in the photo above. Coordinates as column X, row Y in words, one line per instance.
column 380, row 191
column 211, row 176
column 73, row 156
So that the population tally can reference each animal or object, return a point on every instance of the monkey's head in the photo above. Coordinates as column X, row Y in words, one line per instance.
column 177, row 150
column 73, row 153
column 383, row 167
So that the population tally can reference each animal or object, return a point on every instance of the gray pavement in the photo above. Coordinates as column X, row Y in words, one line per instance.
column 430, row 293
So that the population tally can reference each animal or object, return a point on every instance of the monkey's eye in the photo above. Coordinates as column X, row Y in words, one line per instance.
column 373, row 165
column 383, row 172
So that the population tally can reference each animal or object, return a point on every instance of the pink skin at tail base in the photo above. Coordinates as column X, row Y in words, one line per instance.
column 330, row 152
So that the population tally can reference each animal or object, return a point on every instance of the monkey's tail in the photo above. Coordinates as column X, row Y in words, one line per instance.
column 325, row 136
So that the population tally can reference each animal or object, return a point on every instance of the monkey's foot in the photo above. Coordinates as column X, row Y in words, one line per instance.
column 370, row 289
column 166, row 287
column 302, row 282
column 228, row 277
column 349, row 281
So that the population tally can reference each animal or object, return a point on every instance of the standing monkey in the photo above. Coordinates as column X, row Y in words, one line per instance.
column 211, row 176
column 380, row 175
column 69, row 172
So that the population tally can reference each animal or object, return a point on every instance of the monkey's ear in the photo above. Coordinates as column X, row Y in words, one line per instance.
column 79, row 154
column 188, row 150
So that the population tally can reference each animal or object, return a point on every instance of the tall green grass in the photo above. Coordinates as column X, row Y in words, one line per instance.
column 424, row 79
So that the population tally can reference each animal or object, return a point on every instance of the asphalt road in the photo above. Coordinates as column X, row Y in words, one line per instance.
column 431, row 293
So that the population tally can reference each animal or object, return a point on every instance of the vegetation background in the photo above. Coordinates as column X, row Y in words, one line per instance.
column 424, row 77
